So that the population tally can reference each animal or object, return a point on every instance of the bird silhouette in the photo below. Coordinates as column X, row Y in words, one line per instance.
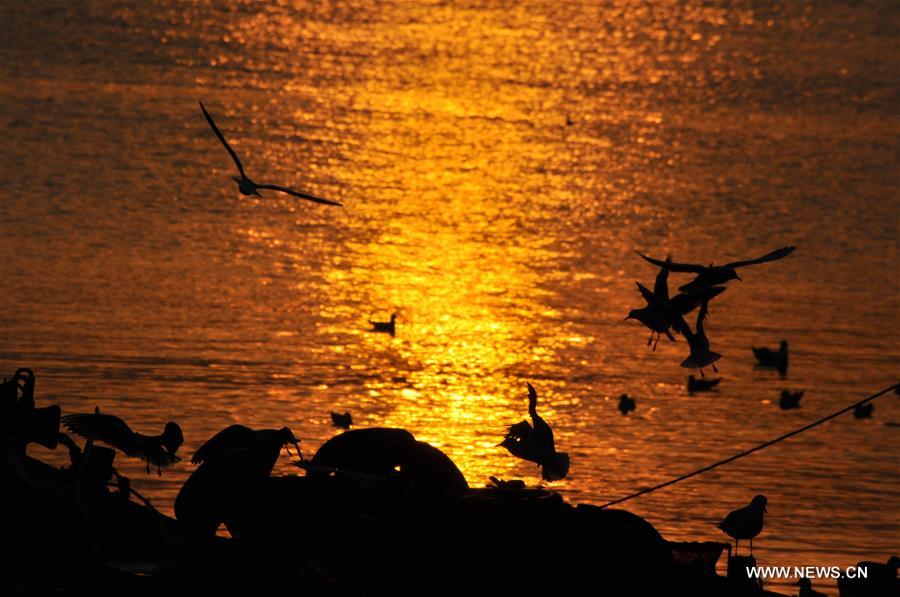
column 746, row 522
column 790, row 399
column 701, row 356
column 247, row 186
column 626, row 404
column 344, row 421
column 773, row 359
column 535, row 443
column 656, row 321
column 387, row 327
column 701, row 385
column 712, row 275
column 156, row 450
column 863, row 411
column 266, row 444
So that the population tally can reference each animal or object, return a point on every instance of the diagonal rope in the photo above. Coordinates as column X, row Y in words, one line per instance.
column 752, row 450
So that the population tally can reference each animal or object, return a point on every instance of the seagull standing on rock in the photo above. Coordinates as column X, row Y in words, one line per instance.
column 155, row 450
column 746, row 522
column 536, row 443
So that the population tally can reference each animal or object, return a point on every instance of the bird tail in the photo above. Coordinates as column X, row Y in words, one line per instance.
column 700, row 359
column 557, row 469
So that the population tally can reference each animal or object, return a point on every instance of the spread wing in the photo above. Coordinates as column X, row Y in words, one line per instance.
column 519, row 431
column 230, row 439
column 661, row 287
column 307, row 196
column 106, row 428
column 773, row 256
column 685, row 303
column 675, row 267
column 221, row 137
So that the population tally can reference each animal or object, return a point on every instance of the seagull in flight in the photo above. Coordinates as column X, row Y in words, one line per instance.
column 712, row 275
column 247, row 186
column 155, row 450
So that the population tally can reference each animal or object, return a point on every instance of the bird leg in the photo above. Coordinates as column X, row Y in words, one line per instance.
column 714, row 368
column 658, row 336
column 650, row 339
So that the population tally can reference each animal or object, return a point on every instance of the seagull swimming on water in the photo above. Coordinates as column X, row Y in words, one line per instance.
column 536, row 443
column 388, row 327
column 790, row 399
column 344, row 421
column 156, row 450
column 863, row 411
column 247, row 186
column 626, row 404
column 712, row 275
column 775, row 359
column 746, row 522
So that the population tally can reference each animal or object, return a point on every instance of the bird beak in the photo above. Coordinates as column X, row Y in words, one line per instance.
column 299, row 453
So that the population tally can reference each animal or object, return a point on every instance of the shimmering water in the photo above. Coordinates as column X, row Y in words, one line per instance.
column 137, row 279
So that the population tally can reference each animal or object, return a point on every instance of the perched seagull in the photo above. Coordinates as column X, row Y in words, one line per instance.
column 241, row 440
column 701, row 385
column 746, row 522
column 536, row 443
column 790, row 400
column 626, row 404
column 713, row 275
column 388, row 327
column 775, row 359
column 806, row 589
column 247, row 186
column 156, row 450
column 864, row 411
column 341, row 420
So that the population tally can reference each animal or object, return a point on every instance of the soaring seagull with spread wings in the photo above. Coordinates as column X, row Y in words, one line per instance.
column 712, row 275
column 247, row 186
column 155, row 450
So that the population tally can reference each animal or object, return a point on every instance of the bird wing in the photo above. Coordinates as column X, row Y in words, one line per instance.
column 221, row 137
column 106, row 428
column 773, row 256
column 306, row 196
column 685, row 303
column 661, row 287
column 519, row 430
column 675, row 267
column 230, row 439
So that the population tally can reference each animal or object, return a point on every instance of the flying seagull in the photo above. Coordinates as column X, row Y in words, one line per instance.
column 712, row 275
column 746, row 522
column 247, row 186
column 155, row 450
column 536, row 443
